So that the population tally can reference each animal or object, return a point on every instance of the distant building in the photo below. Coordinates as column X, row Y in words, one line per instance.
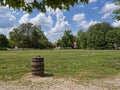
column 75, row 44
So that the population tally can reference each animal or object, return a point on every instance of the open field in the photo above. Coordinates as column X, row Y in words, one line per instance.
column 80, row 65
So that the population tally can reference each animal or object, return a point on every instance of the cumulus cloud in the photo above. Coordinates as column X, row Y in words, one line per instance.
column 87, row 24
column 116, row 23
column 61, row 24
column 24, row 19
column 79, row 17
column 42, row 19
column 80, row 20
column 7, row 19
column 108, row 9
column 6, row 31
column 59, row 27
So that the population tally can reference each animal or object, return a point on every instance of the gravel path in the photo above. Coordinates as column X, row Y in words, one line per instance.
column 49, row 83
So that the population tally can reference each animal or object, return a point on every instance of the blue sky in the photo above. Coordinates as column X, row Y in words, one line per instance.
column 55, row 22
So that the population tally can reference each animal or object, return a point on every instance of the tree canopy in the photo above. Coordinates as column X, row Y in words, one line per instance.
column 28, row 36
column 117, row 12
column 98, row 36
column 3, row 41
column 66, row 40
column 81, row 39
column 29, row 5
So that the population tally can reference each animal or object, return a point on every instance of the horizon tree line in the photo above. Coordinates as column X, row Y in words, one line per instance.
column 98, row 36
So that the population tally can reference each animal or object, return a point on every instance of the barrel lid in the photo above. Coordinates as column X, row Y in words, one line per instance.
column 37, row 57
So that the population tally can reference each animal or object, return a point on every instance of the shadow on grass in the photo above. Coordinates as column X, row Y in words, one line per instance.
column 48, row 75
column 43, row 75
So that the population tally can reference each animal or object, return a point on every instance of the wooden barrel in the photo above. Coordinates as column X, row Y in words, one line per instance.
column 38, row 66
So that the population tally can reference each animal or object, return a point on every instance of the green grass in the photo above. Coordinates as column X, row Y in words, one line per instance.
column 78, row 64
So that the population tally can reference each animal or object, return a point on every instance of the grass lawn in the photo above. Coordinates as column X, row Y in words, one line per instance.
column 77, row 64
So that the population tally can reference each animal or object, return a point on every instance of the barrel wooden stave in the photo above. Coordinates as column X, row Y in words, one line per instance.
column 38, row 66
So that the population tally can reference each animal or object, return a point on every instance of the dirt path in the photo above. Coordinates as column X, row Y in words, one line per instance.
column 49, row 83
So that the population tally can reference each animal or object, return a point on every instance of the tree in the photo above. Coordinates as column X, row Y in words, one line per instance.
column 3, row 41
column 66, row 40
column 28, row 36
column 81, row 39
column 29, row 5
column 117, row 44
column 113, row 38
column 96, row 35
column 117, row 12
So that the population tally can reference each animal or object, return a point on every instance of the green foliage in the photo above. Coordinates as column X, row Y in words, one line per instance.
column 28, row 36
column 66, row 40
column 118, row 38
column 117, row 12
column 96, row 35
column 111, row 38
column 3, row 42
column 99, row 36
column 40, row 4
column 81, row 39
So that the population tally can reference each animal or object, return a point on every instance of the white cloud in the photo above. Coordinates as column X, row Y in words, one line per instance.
column 87, row 24
column 116, row 23
column 24, row 19
column 108, row 9
column 54, row 36
column 80, row 20
column 6, row 31
column 7, row 19
column 79, row 17
column 59, row 27
column 92, row 1
column 42, row 19
column 61, row 24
